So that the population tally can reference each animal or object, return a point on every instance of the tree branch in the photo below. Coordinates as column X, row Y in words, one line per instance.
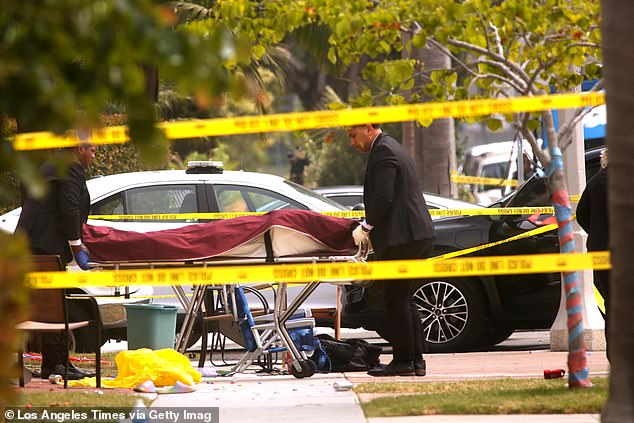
column 469, row 69
column 498, row 41
column 565, row 131
column 485, row 30
column 526, row 39
column 516, row 69
column 517, row 80
column 541, row 154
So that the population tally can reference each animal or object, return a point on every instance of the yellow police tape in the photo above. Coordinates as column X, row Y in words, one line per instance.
column 326, row 271
column 482, row 211
column 523, row 235
column 320, row 119
column 465, row 179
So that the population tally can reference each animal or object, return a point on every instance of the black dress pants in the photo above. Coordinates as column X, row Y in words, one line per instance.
column 602, row 282
column 403, row 318
column 53, row 344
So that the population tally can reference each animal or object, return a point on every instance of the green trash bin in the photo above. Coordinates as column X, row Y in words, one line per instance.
column 151, row 326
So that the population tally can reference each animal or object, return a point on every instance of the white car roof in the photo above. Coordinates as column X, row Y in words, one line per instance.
column 104, row 186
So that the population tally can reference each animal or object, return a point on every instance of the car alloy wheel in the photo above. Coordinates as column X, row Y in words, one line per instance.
column 452, row 314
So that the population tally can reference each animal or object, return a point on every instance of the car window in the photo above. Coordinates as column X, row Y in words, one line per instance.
column 534, row 192
column 347, row 200
column 161, row 199
column 109, row 206
column 232, row 198
column 493, row 170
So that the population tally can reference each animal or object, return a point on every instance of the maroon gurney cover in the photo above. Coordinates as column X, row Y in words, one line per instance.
column 293, row 233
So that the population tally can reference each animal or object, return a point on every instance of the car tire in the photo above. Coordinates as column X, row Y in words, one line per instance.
column 453, row 314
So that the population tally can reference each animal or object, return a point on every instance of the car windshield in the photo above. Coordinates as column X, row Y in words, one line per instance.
column 313, row 194
column 534, row 192
column 493, row 170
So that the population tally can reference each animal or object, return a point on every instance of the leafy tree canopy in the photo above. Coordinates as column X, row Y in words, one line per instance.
column 62, row 62
column 499, row 48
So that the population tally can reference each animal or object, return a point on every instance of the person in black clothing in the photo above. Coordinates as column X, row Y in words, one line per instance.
column 399, row 226
column 298, row 161
column 53, row 225
column 593, row 217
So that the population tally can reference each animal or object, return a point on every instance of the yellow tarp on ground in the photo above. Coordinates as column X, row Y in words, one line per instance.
column 163, row 367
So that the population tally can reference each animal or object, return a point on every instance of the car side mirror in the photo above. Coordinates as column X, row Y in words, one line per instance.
column 358, row 206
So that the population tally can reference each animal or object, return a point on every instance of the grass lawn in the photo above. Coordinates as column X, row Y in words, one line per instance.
column 83, row 361
column 78, row 398
column 500, row 396
column 71, row 398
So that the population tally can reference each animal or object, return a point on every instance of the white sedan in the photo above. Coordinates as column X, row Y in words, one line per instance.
column 203, row 188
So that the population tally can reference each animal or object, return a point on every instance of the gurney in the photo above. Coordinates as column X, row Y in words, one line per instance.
column 284, row 236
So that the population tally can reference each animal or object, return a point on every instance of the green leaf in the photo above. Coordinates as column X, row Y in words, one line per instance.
column 336, row 106
column 451, row 78
column 419, row 40
column 408, row 85
column 533, row 124
column 332, row 55
column 593, row 71
column 425, row 122
column 258, row 51
column 494, row 124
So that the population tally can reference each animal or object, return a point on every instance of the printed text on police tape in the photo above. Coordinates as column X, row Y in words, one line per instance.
column 326, row 272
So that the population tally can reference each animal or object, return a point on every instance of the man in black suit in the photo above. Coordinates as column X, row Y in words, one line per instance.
column 399, row 226
column 592, row 216
column 53, row 225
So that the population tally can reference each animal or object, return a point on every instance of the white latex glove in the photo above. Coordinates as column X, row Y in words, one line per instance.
column 360, row 235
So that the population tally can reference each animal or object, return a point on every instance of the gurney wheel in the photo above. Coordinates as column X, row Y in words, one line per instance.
column 308, row 369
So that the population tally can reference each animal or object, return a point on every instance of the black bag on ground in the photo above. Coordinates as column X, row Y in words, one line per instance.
column 352, row 355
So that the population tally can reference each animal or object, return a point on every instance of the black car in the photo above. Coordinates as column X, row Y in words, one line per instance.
column 475, row 312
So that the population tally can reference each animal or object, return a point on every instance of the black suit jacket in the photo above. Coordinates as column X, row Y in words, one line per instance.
column 394, row 202
column 58, row 218
column 592, row 212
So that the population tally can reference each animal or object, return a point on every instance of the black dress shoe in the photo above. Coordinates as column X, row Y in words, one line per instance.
column 58, row 369
column 75, row 369
column 420, row 368
column 395, row 368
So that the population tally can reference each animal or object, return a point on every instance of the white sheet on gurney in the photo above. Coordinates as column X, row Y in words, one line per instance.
column 293, row 233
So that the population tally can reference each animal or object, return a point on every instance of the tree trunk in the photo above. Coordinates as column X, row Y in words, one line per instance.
column 618, row 54
column 577, row 362
column 151, row 74
column 433, row 147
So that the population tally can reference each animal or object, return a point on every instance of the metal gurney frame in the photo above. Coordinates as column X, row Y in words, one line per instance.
column 274, row 325
column 282, row 237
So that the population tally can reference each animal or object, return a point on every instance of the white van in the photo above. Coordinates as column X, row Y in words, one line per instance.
column 495, row 160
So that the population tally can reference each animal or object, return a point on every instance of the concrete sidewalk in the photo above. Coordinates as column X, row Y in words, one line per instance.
column 253, row 397
column 516, row 418
column 279, row 398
